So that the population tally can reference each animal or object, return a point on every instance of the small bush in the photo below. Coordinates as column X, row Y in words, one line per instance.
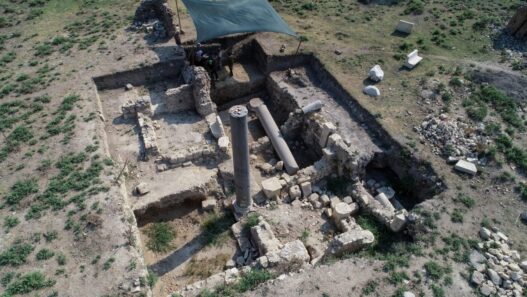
column 252, row 279
column 216, row 228
column 44, row 254
column 108, row 264
column 20, row 190
column 370, row 288
column 465, row 200
column 435, row 271
column 457, row 216
column 160, row 236
column 28, row 283
column 16, row 254
column 10, row 222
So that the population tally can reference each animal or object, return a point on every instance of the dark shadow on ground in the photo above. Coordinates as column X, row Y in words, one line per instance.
column 396, row 33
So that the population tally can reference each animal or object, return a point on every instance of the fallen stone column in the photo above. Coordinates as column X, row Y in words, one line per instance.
column 313, row 107
column 240, row 152
column 279, row 144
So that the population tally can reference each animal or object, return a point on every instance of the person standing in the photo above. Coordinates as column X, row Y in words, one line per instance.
column 230, row 63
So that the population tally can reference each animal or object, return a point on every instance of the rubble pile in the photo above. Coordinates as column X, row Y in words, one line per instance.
column 155, row 16
column 449, row 137
column 498, row 269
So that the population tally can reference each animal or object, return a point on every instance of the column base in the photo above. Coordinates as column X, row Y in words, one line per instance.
column 240, row 212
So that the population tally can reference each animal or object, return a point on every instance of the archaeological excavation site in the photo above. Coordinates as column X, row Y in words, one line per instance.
column 264, row 169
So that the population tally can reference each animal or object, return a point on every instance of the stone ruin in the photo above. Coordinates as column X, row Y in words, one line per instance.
column 517, row 26
column 301, row 136
column 155, row 16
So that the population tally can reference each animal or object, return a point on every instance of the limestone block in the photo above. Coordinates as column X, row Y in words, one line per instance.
column 334, row 201
column 264, row 238
column 231, row 275
column 294, row 250
column 398, row 222
column 347, row 200
column 341, row 211
column 389, row 192
column 271, row 187
column 223, row 143
column 306, row 189
column 405, row 27
column 350, row 241
column 294, row 192
column 385, row 202
column 477, row 278
column 208, row 204
column 142, row 189
column 466, row 167
column 333, row 139
column 215, row 125
column 328, row 128
column 324, row 199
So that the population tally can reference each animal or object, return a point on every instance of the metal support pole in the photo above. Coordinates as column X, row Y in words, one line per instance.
column 240, row 155
column 298, row 48
column 272, row 130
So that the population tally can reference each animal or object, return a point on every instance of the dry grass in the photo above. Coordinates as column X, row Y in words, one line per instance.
column 203, row 268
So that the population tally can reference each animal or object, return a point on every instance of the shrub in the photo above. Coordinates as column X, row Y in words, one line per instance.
column 252, row 279
column 44, row 254
column 160, row 236
column 465, row 200
column 16, row 254
column 370, row 287
column 435, row 271
column 61, row 259
column 10, row 222
column 28, row 283
column 20, row 190
column 457, row 216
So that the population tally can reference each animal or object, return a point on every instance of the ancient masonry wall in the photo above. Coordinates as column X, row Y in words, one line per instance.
column 140, row 76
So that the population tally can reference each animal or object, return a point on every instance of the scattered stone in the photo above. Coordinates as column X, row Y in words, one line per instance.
column 398, row 222
column 494, row 277
column 324, row 199
column 294, row 250
column 142, row 189
column 294, row 192
column 466, row 167
column 372, row 91
column 347, row 200
column 376, row 74
column 264, row 238
column 408, row 294
column 486, row 289
column 129, row 87
column 350, row 241
column 263, row 262
column 523, row 265
column 279, row 166
column 271, row 187
column 306, row 189
column 230, row 264
column 223, row 143
column 484, row 233
column 477, row 278
column 208, row 204
column 476, row 258
column 523, row 216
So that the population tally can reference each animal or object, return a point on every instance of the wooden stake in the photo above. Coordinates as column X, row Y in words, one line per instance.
column 179, row 18
column 298, row 48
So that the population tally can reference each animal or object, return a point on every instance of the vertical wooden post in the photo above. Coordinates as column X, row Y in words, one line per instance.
column 298, row 48
column 179, row 18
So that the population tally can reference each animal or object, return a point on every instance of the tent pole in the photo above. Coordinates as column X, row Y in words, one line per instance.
column 179, row 19
column 298, row 48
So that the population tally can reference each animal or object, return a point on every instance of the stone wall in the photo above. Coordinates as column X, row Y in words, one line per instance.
column 518, row 24
column 141, row 76
column 179, row 99
column 156, row 9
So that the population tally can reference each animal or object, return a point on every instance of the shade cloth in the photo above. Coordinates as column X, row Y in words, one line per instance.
column 216, row 18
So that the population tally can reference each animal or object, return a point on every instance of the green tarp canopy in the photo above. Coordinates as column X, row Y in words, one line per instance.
column 216, row 18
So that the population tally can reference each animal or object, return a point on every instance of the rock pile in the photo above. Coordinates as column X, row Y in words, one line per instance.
column 498, row 269
column 449, row 137
column 155, row 16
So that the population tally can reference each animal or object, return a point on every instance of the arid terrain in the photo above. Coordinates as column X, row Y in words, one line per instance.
column 116, row 154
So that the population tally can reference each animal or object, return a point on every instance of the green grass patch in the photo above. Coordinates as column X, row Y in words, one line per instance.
column 465, row 200
column 44, row 254
column 28, row 283
column 20, row 190
column 435, row 271
column 216, row 228
column 160, row 237
column 10, row 222
column 16, row 254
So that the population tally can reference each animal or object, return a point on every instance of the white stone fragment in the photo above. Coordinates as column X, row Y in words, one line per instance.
column 372, row 91
column 376, row 73
column 271, row 187
column 294, row 192
column 223, row 143
column 306, row 189
column 466, row 167
column 388, row 191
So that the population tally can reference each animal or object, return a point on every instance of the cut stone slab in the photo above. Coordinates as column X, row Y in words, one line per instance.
column 350, row 241
column 476, row 258
column 372, row 91
column 271, row 187
column 264, row 238
column 341, row 211
column 398, row 222
column 142, row 189
column 294, row 250
column 405, row 27
column 466, row 167
column 388, row 191
column 208, row 204
column 376, row 73
column 306, row 189
column 408, row 294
